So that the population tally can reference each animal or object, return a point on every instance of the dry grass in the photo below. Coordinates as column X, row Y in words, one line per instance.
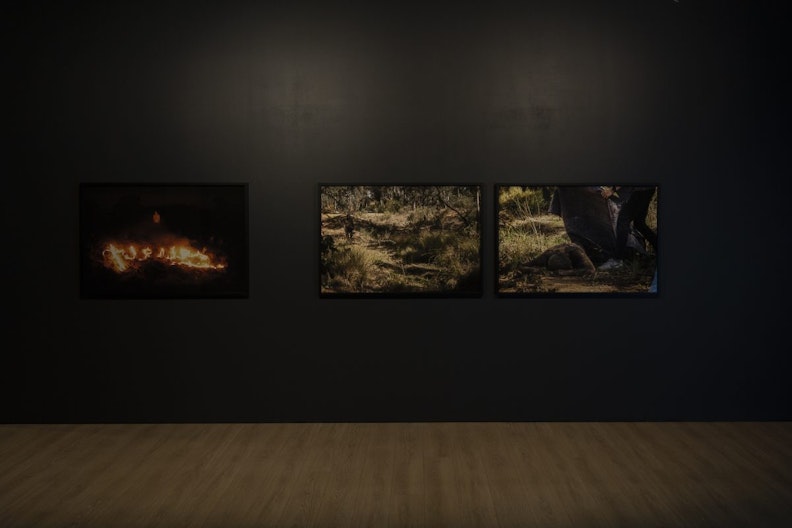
column 401, row 252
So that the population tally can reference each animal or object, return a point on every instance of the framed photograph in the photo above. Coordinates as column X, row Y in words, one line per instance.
column 400, row 240
column 163, row 240
column 577, row 240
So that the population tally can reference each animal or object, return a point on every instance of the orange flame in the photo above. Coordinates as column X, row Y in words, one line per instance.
column 123, row 258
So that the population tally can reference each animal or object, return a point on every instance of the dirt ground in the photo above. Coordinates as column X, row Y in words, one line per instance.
column 633, row 277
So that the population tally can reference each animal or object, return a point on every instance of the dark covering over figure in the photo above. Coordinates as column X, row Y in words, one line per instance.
column 604, row 220
column 589, row 220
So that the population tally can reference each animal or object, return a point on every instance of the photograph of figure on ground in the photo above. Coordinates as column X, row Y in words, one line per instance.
column 570, row 239
column 400, row 240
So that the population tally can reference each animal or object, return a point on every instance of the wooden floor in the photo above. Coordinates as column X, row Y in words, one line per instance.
column 432, row 475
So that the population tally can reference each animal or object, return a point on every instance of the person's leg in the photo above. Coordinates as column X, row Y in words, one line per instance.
column 640, row 208
column 623, row 225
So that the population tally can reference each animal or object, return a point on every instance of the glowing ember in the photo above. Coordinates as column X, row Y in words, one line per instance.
column 125, row 257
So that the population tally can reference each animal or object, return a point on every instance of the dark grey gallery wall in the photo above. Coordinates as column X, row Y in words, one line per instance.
column 685, row 94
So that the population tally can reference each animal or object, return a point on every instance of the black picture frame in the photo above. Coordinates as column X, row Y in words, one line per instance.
column 406, row 240
column 563, row 240
column 163, row 240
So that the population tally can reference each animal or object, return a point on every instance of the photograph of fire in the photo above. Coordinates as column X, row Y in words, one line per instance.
column 163, row 241
column 562, row 240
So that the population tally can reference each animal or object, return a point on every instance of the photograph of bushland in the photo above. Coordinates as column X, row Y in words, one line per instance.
column 400, row 240
column 597, row 239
